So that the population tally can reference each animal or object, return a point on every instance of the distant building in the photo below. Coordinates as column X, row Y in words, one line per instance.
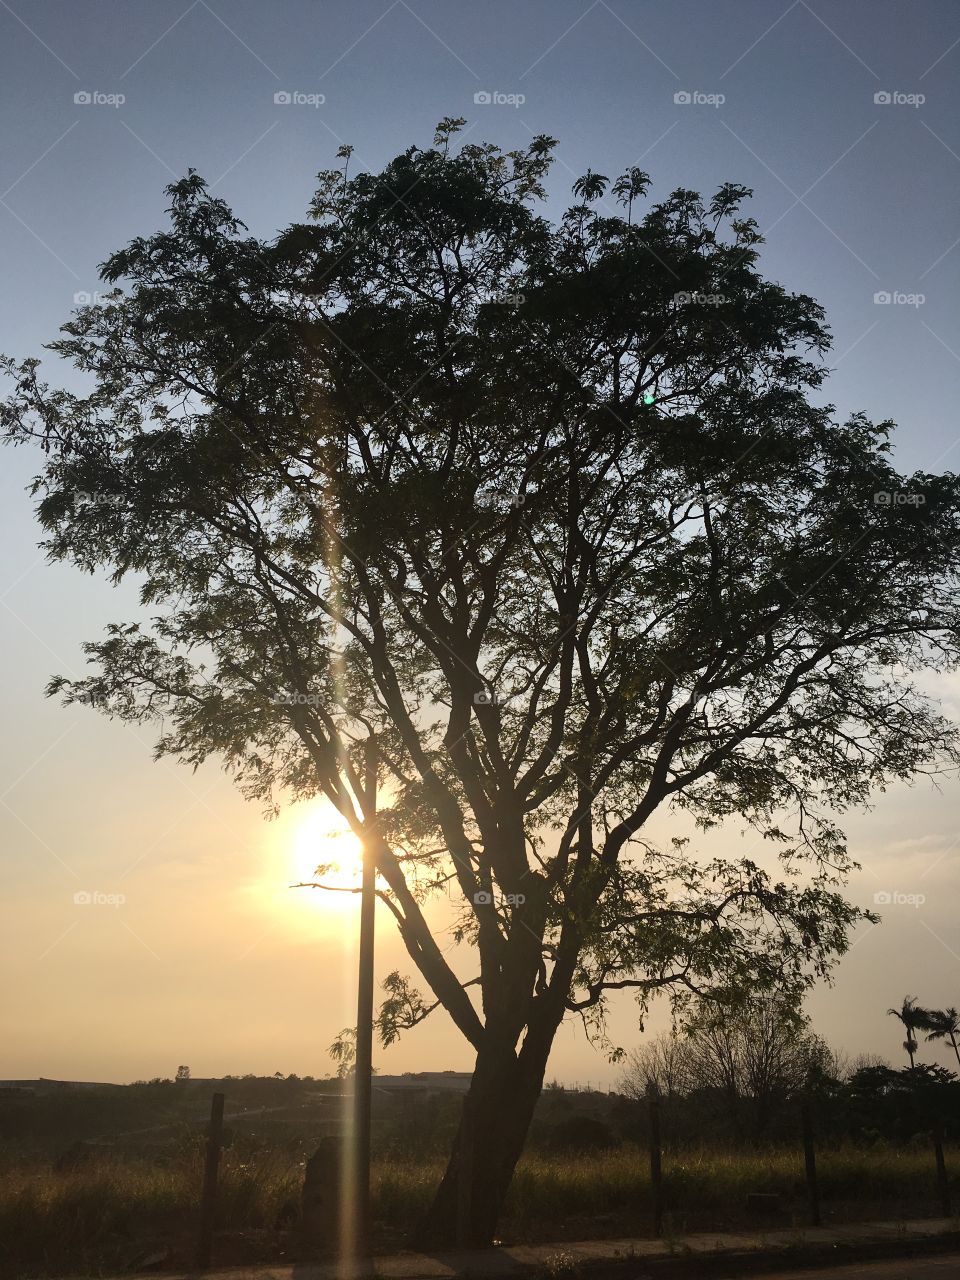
column 424, row 1082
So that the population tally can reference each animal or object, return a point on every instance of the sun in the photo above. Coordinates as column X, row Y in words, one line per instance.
column 303, row 838
column 317, row 836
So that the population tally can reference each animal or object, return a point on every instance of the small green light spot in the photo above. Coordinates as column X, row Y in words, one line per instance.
column 648, row 398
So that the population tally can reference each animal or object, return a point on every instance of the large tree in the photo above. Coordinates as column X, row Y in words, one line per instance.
column 762, row 1050
column 759, row 1051
column 548, row 512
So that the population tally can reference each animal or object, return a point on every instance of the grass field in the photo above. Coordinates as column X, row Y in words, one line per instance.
column 114, row 1213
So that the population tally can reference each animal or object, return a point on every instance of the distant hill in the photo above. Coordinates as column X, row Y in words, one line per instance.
column 39, row 1086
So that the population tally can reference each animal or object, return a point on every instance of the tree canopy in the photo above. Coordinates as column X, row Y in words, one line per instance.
column 548, row 512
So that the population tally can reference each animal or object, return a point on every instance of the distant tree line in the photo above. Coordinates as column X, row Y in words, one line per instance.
column 737, row 1074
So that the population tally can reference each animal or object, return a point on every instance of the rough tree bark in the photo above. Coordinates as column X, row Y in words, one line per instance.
column 502, row 1099
column 506, row 1085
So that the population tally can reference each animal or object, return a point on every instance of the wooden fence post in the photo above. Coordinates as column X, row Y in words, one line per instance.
column 208, row 1199
column 942, row 1183
column 656, row 1157
column 465, row 1174
column 810, row 1160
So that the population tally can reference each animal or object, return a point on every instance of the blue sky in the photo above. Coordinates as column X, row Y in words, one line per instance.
column 845, row 121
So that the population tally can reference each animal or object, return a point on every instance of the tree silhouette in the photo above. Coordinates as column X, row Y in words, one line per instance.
column 591, row 186
column 344, row 153
column 757, row 1050
column 943, row 1024
column 631, row 186
column 569, row 561
column 913, row 1018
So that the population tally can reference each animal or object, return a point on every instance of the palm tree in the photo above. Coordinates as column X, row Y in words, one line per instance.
column 629, row 186
column 591, row 186
column 943, row 1024
column 913, row 1017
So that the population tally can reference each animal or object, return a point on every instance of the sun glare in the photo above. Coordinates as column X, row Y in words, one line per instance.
column 318, row 837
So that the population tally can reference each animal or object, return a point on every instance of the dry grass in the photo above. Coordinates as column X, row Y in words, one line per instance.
column 707, row 1189
column 106, row 1215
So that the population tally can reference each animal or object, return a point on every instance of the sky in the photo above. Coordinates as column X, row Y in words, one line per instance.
column 185, row 944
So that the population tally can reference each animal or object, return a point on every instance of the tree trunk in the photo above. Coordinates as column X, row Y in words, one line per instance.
column 502, row 1098
column 762, row 1113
